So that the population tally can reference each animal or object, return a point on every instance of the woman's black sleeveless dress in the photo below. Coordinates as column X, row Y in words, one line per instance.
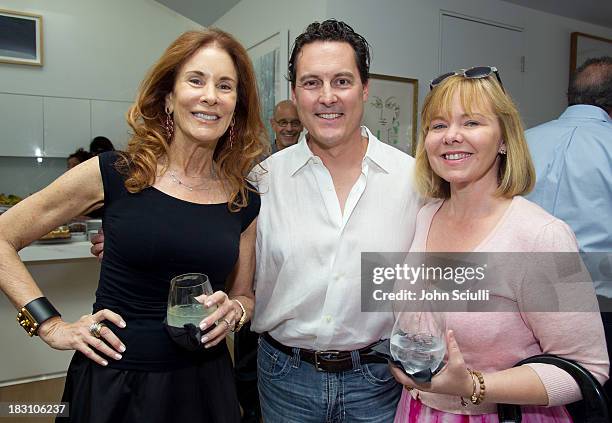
column 151, row 237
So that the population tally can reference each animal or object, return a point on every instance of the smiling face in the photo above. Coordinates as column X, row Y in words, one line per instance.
column 204, row 96
column 286, row 124
column 329, row 93
column 462, row 148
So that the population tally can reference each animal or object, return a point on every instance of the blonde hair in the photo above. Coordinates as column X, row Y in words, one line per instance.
column 147, row 115
column 516, row 171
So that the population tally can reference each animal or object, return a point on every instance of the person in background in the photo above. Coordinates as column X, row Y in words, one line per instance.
column 177, row 201
column 77, row 158
column 286, row 125
column 245, row 373
column 472, row 160
column 99, row 145
column 573, row 162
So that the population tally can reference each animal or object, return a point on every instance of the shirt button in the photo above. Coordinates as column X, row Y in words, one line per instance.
column 328, row 318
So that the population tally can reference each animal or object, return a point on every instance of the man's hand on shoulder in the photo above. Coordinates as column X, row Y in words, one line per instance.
column 97, row 244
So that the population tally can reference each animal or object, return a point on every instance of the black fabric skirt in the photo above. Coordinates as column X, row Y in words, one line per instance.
column 200, row 393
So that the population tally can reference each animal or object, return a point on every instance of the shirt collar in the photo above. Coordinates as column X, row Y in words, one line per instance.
column 586, row 111
column 374, row 153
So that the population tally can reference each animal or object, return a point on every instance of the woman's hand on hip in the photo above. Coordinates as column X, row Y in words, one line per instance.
column 88, row 335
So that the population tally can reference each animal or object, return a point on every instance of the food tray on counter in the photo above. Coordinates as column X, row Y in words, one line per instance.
column 54, row 241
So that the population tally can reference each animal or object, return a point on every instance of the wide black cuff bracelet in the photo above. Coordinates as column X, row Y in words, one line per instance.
column 34, row 313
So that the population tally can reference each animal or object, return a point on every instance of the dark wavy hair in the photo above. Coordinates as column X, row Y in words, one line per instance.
column 81, row 155
column 591, row 84
column 147, row 114
column 332, row 30
column 99, row 145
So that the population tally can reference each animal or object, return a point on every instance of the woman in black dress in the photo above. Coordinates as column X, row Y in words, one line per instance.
column 177, row 201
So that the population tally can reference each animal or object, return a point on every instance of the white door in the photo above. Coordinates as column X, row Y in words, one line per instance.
column 467, row 42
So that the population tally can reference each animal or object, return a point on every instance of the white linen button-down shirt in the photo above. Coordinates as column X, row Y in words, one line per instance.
column 308, row 277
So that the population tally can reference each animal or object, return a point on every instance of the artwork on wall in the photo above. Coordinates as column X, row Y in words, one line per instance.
column 584, row 47
column 391, row 110
column 266, row 62
column 21, row 38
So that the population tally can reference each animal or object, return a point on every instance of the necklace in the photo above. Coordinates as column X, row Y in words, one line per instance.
column 202, row 187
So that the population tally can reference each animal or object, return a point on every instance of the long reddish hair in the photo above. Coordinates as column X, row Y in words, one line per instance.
column 147, row 115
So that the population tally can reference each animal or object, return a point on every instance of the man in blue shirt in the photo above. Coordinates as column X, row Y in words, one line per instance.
column 573, row 160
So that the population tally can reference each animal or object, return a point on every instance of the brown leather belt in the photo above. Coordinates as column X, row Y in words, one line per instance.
column 328, row 361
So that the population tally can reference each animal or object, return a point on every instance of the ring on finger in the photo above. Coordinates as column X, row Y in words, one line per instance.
column 95, row 329
column 228, row 323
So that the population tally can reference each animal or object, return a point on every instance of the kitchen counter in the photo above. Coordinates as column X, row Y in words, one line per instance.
column 56, row 251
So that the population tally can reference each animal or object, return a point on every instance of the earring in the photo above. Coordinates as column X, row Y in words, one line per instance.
column 169, row 125
column 502, row 150
column 232, row 133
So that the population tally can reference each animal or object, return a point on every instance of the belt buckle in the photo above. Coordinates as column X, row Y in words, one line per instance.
column 316, row 357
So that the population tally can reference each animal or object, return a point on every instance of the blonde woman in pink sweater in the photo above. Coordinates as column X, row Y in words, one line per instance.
column 473, row 161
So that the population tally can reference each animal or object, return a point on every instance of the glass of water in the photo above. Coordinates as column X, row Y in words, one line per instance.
column 418, row 340
column 183, row 308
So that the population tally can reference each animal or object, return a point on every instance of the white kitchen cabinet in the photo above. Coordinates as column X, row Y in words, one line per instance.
column 21, row 125
column 108, row 120
column 67, row 125
column 32, row 126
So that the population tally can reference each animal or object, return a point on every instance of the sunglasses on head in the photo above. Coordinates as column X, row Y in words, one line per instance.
column 476, row 72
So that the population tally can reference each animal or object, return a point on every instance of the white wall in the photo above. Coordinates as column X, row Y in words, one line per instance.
column 405, row 39
column 92, row 50
column 252, row 21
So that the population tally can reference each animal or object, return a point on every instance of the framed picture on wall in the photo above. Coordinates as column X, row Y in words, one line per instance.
column 21, row 38
column 584, row 47
column 391, row 110
column 266, row 57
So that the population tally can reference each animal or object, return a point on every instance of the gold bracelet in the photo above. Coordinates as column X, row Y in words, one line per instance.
column 478, row 399
column 464, row 403
column 243, row 318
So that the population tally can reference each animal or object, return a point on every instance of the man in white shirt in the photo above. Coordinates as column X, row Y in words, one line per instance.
column 337, row 193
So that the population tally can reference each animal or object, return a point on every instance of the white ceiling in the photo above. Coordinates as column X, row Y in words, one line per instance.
column 599, row 12
column 204, row 12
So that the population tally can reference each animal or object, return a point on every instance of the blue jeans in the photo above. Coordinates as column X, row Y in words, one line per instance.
column 293, row 391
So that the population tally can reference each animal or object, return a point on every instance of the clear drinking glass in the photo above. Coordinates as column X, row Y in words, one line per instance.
column 418, row 340
column 183, row 308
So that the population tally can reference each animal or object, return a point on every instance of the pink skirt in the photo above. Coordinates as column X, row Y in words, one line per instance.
column 410, row 410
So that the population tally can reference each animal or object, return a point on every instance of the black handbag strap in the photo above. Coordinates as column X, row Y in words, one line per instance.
column 593, row 408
